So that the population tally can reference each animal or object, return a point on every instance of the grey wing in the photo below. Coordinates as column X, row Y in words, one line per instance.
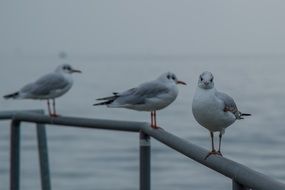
column 143, row 92
column 45, row 84
column 229, row 102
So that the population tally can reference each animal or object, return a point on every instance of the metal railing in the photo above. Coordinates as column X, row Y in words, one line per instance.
column 242, row 176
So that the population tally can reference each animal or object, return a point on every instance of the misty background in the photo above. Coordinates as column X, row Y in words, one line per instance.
column 143, row 27
column 120, row 44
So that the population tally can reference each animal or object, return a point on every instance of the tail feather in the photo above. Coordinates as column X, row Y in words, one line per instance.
column 116, row 95
column 243, row 114
column 106, row 100
column 103, row 103
column 13, row 95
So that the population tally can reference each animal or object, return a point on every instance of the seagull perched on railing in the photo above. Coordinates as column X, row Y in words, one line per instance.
column 49, row 86
column 214, row 110
column 149, row 96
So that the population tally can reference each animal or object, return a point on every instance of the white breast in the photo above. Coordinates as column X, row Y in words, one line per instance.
column 60, row 92
column 208, row 110
column 163, row 100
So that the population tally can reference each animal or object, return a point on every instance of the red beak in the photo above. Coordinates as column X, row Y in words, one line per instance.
column 181, row 82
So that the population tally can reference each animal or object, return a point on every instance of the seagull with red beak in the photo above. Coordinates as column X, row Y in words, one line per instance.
column 48, row 87
column 150, row 96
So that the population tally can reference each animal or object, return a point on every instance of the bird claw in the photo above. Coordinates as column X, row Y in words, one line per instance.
column 213, row 152
column 53, row 115
column 155, row 127
column 219, row 153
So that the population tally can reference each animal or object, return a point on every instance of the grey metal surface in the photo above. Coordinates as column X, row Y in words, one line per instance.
column 241, row 174
column 81, row 122
column 10, row 114
column 15, row 156
column 43, row 157
column 145, row 169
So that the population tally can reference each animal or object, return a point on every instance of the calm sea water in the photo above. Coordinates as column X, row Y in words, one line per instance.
column 93, row 159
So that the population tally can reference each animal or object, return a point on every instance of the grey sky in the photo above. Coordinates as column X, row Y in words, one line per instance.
column 143, row 27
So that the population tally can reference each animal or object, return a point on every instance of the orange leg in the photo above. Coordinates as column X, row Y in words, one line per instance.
column 54, row 114
column 49, row 110
column 154, row 116
column 214, row 152
column 220, row 143
column 151, row 118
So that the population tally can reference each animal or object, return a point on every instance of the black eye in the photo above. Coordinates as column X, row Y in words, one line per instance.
column 211, row 80
column 66, row 68
column 173, row 77
column 201, row 78
column 168, row 76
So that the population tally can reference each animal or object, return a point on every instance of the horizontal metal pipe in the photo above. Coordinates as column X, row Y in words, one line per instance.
column 81, row 122
column 231, row 169
column 10, row 114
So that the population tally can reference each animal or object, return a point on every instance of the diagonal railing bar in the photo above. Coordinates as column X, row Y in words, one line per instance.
column 238, row 172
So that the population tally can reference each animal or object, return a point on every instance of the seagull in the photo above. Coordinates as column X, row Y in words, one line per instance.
column 150, row 96
column 49, row 86
column 214, row 110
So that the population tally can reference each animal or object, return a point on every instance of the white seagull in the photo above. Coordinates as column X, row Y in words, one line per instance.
column 214, row 110
column 149, row 96
column 49, row 86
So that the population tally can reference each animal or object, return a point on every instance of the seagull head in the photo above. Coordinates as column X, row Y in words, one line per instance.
column 206, row 80
column 170, row 78
column 66, row 68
